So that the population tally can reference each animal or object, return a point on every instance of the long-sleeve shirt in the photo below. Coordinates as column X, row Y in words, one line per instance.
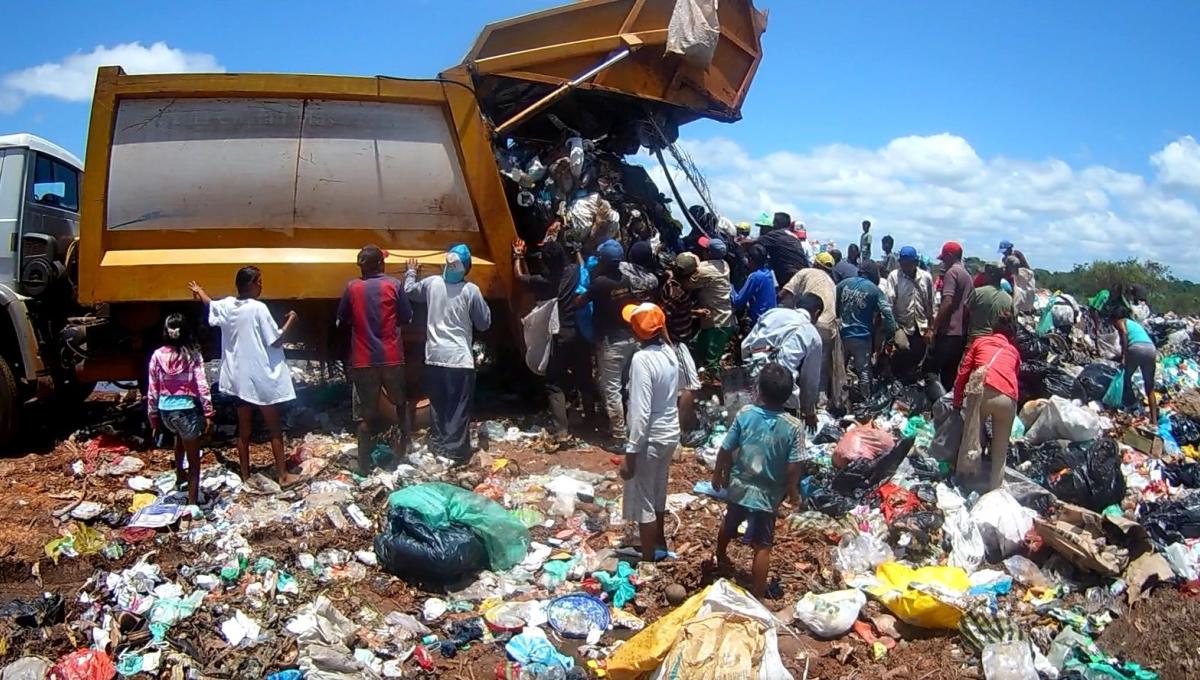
column 819, row 283
column 711, row 283
column 374, row 307
column 652, row 414
column 173, row 373
column 790, row 334
column 858, row 301
column 1004, row 365
column 454, row 310
column 911, row 299
column 757, row 293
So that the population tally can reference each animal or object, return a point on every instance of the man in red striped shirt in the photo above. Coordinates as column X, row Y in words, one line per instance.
column 374, row 306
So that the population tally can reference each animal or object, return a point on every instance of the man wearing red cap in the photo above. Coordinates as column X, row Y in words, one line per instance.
column 653, row 421
column 949, row 331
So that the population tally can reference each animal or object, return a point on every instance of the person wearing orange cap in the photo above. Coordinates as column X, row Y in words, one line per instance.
column 948, row 334
column 652, row 417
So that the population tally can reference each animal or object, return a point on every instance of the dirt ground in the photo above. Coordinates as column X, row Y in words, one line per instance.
column 1161, row 633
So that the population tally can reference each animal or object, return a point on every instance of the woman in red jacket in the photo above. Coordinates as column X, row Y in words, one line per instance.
column 998, row 363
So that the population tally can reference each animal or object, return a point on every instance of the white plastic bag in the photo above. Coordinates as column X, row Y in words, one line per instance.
column 694, row 31
column 1008, row 661
column 539, row 327
column 965, row 539
column 1002, row 521
column 830, row 615
column 860, row 554
column 1058, row 418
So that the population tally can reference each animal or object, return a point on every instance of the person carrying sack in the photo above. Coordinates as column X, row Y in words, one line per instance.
column 987, row 387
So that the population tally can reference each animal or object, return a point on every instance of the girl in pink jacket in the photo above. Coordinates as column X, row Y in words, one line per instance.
column 178, row 398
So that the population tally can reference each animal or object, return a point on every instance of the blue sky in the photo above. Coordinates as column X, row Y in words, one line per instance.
column 1069, row 127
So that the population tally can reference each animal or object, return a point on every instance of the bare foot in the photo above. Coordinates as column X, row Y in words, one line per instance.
column 289, row 480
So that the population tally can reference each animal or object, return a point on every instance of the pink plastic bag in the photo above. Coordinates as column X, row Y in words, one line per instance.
column 83, row 664
column 862, row 443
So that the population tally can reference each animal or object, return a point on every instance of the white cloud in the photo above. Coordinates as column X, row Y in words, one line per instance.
column 926, row 190
column 1179, row 163
column 74, row 77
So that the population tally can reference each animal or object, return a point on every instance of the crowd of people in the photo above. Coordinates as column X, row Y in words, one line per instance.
column 639, row 331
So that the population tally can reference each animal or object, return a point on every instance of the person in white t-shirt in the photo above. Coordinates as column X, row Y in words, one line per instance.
column 253, row 368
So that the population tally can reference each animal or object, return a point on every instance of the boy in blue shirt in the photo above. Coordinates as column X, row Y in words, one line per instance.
column 758, row 292
column 767, row 467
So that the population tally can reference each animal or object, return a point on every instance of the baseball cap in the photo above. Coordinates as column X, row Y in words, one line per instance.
column 611, row 251
column 765, row 220
column 908, row 253
column 743, row 227
column 950, row 248
column 1005, row 245
column 646, row 319
column 717, row 247
column 687, row 263
column 825, row 259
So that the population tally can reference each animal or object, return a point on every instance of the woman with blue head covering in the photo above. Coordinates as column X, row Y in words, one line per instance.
column 455, row 309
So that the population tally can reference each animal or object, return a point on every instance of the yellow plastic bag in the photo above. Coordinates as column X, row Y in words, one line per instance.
column 141, row 500
column 645, row 651
column 922, row 597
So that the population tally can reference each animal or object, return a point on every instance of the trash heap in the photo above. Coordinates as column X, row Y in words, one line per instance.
column 1084, row 564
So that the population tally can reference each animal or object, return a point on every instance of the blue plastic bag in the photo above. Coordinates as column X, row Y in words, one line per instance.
column 1114, row 397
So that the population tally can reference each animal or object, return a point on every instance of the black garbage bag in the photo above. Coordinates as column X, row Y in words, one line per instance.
column 1186, row 475
column 1171, row 521
column 830, row 434
column 1185, row 429
column 923, row 528
column 1077, row 473
column 1031, row 346
column 916, row 398
column 46, row 610
column 1093, row 381
column 878, row 403
column 411, row 549
column 926, row 468
column 817, row 492
column 861, row 477
column 1040, row 380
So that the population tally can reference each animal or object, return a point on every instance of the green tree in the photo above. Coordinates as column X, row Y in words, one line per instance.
column 1167, row 292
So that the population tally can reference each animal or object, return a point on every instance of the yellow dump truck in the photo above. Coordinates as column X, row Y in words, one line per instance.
column 189, row 177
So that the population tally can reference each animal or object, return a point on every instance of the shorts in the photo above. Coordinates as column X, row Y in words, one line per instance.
column 760, row 525
column 645, row 496
column 187, row 424
column 369, row 382
column 689, row 379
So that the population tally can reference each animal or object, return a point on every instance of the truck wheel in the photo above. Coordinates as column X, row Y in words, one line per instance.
column 10, row 402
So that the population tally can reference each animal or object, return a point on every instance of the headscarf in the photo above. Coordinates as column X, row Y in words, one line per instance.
column 458, row 263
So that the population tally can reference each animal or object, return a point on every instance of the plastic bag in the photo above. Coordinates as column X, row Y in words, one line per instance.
column 928, row 597
column 1114, row 396
column 83, row 664
column 862, row 443
column 1058, row 418
column 1002, row 523
column 1089, row 476
column 1040, row 380
column 694, row 31
column 862, row 477
column 966, row 541
column 860, row 554
column 1093, row 381
column 948, row 429
column 413, row 549
column 439, row 504
column 830, row 614
column 1008, row 661
column 540, row 326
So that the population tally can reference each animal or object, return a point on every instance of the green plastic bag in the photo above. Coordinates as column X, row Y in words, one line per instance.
column 917, row 426
column 504, row 536
column 1046, row 323
column 1114, row 397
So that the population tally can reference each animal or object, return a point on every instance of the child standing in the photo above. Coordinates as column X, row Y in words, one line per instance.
column 768, row 443
column 253, row 368
column 178, row 398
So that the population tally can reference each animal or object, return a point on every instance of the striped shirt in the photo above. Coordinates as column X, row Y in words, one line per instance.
column 373, row 308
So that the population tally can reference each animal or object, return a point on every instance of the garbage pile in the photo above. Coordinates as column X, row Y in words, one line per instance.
column 516, row 566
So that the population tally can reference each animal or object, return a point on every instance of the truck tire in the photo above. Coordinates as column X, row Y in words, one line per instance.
column 10, row 403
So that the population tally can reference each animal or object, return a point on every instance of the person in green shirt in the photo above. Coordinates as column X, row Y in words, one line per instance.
column 987, row 303
column 769, row 444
